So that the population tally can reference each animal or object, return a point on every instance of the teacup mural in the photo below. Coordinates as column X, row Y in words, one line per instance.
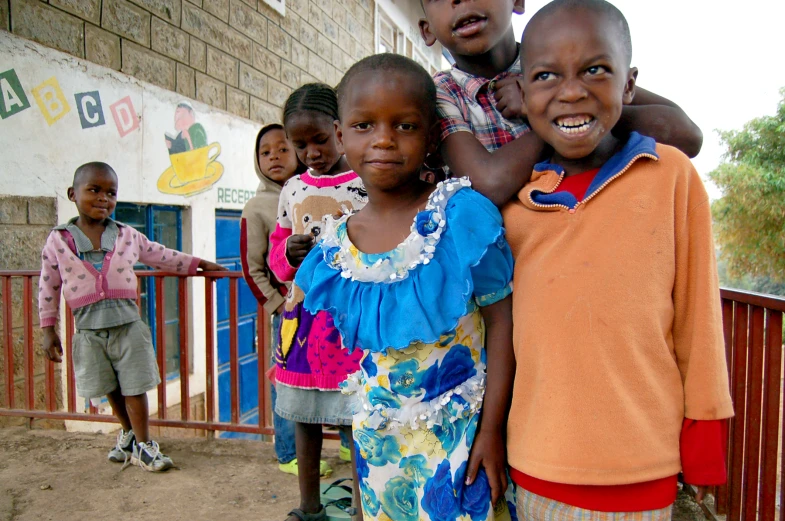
column 194, row 167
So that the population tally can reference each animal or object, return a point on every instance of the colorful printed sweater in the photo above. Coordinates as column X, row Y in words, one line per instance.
column 617, row 325
column 305, row 201
column 308, row 351
column 82, row 284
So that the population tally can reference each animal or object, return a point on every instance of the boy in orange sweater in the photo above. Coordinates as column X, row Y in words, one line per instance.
column 621, row 380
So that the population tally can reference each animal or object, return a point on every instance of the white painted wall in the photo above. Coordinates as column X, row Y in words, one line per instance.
column 41, row 152
column 406, row 14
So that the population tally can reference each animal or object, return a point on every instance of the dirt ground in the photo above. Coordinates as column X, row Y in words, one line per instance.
column 57, row 475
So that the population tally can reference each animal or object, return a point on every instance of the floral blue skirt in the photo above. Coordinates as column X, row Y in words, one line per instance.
column 415, row 423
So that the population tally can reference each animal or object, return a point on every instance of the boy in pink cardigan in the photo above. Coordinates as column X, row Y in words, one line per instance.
column 91, row 261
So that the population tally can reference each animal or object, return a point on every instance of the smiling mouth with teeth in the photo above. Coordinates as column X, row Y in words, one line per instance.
column 574, row 124
column 467, row 22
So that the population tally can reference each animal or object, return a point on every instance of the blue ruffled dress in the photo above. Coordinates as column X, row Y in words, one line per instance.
column 415, row 313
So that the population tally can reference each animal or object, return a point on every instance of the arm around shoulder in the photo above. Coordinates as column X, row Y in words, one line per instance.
column 497, row 175
column 652, row 115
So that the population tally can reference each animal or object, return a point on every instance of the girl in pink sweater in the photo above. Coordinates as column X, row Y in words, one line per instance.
column 90, row 260
column 310, row 364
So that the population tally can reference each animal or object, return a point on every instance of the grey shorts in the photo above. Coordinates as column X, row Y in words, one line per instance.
column 119, row 356
column 313, row 406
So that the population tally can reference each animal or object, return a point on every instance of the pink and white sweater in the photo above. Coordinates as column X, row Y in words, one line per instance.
column 304, row 203
column 82, row 284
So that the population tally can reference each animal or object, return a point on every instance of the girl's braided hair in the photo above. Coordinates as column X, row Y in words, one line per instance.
column 312, row 97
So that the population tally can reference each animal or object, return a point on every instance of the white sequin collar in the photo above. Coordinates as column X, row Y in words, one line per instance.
column 393, row 266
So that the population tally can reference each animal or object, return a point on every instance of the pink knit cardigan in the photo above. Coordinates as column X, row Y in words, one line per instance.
column 82, row 284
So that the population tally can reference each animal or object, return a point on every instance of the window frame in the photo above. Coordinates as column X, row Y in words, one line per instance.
column 406, row 42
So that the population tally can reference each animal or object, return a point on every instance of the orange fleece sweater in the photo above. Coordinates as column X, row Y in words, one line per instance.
column 617, row 320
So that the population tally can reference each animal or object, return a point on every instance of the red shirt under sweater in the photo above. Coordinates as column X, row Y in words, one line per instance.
column 702, row 447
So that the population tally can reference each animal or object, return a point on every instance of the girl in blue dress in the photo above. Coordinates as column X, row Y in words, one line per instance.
column 420, row 281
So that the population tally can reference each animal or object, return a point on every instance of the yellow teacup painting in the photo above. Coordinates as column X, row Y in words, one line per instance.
column 192, row 172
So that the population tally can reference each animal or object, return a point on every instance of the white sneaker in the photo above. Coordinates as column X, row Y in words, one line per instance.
column 123, row 448
column 149, row 457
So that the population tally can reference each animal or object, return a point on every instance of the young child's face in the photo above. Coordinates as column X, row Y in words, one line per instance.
column 576, row 78
column 95, row 194
column 277, row 159
column 384, row 130
column 468, row 28
column 313, row 136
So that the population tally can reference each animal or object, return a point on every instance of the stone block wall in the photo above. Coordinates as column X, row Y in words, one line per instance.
column 25, row 223
column 236, row 55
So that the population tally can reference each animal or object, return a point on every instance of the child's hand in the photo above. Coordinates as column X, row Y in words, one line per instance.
column 52, row 347
column 508, row 97
column 298, row 246
column 490, row 452
column 206, row 265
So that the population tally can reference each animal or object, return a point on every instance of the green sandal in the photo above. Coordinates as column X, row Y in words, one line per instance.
column 325, row 471
column 345, row 454
column 343, row 509
column 337, row 499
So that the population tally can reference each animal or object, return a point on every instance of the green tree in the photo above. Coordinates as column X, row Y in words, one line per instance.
column 749, row 219
column 748, row 283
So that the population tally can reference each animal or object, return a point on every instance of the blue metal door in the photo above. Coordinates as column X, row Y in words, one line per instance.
column 227, row 246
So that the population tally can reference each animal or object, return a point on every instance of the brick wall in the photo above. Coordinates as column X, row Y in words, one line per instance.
column 25, row 223
column 237, row 55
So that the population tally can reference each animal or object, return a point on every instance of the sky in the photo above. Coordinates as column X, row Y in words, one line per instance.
column 721, row 61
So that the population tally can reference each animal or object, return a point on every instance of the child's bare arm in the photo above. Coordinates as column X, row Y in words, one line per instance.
column 660, row 118
column 498, row 175
column 206, row 265
column 488, row 449
column 53, row 348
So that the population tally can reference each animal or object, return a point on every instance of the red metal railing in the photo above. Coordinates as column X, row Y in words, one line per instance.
column 753, row 339
column 753, row 345
column 207, row 327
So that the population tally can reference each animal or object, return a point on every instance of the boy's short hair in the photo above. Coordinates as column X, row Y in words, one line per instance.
column 82, row 170
column 607, row 9
column 389, row 62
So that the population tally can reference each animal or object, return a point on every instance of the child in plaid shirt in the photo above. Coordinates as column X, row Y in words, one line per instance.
column 483, row 129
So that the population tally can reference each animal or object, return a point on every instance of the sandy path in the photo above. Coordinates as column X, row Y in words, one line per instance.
column 61, row 476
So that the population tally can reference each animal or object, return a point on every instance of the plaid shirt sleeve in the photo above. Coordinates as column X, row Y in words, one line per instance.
column 450, row 106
